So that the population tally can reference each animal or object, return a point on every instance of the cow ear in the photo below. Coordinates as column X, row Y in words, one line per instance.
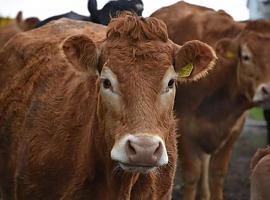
column 30, row 23
column 19, row 17
column 193, row 60
column 81, row 52
column 226, row 48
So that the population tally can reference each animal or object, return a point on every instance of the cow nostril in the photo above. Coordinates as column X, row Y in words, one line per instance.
column 131, row 150
column 158, row 151
column 264, row 91
column 145, row 151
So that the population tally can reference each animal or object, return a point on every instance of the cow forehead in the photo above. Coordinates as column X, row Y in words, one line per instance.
column 258, row 45
column 139, row 71
column 142, row 59
column 255, row 38
column 129, row 49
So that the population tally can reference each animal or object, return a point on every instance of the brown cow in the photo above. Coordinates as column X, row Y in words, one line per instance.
column 67, row 132
column 241, row 79
column 260, row 174
column 16, row 26
column 191, row 22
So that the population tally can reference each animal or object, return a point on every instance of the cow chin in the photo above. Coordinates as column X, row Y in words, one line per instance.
column 136, row 169
column 264, row 105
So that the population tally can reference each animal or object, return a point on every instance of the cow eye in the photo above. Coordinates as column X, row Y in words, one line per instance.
column 107, row 84
column 245, row 58
column 245, row 55
column 171, row 83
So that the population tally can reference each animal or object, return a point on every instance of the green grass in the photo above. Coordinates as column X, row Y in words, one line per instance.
column 4, row 20
column 256, row 113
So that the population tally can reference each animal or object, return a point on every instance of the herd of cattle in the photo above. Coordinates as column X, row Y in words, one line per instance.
column 89, row 111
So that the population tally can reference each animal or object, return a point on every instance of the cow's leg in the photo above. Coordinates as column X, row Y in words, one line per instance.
column 220, row 161
column 205, row 191
column 190, row 166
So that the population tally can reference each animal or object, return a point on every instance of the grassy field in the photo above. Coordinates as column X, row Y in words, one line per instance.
column 4, row 20
column 256, row 113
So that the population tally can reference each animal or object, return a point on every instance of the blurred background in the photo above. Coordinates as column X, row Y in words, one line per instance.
column 44, row 9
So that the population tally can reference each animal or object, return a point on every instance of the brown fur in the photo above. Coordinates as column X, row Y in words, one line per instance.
column 260, row 153
column 260, row 173
column 13, row 27
column 261, row 25
column 219, row 102
column 56, row 131
column 150, row 29
column 19, row 56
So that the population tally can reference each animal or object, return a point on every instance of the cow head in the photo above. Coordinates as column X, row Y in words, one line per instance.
column 249, row 52
column 138, row 72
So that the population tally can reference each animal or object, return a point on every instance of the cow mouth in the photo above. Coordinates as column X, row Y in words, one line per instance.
column 264, row 104
column 136, row 168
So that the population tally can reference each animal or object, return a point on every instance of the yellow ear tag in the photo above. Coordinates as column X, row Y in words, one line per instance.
column 230, row 55
column 186, row 71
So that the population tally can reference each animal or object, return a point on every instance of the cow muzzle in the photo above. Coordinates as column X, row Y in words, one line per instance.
column 140, row 153
column 262, row 96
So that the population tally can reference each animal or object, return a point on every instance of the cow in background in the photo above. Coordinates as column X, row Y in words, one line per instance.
column 260, row 175
column 69, row 15
column 261, row 10
column 201, row 23
column 88, row 114
column 16, row 26
column 103, row 16
column 240, row 81
column 112, row 8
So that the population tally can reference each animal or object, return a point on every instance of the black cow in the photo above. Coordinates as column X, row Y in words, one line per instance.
column 69, row 15
column 111, row 9
column 102, row 16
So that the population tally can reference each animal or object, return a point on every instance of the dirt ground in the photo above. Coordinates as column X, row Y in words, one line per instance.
column 237, row 181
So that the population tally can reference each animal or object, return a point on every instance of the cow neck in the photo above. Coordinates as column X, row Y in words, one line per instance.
column 226, row 96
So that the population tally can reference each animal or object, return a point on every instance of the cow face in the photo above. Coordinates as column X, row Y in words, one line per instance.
column 137, row 92
column 250, row 51
column 255, row 66
column 138, row 75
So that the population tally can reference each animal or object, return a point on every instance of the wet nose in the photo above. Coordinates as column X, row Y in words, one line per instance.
column 262, row 95
column 144, row 151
